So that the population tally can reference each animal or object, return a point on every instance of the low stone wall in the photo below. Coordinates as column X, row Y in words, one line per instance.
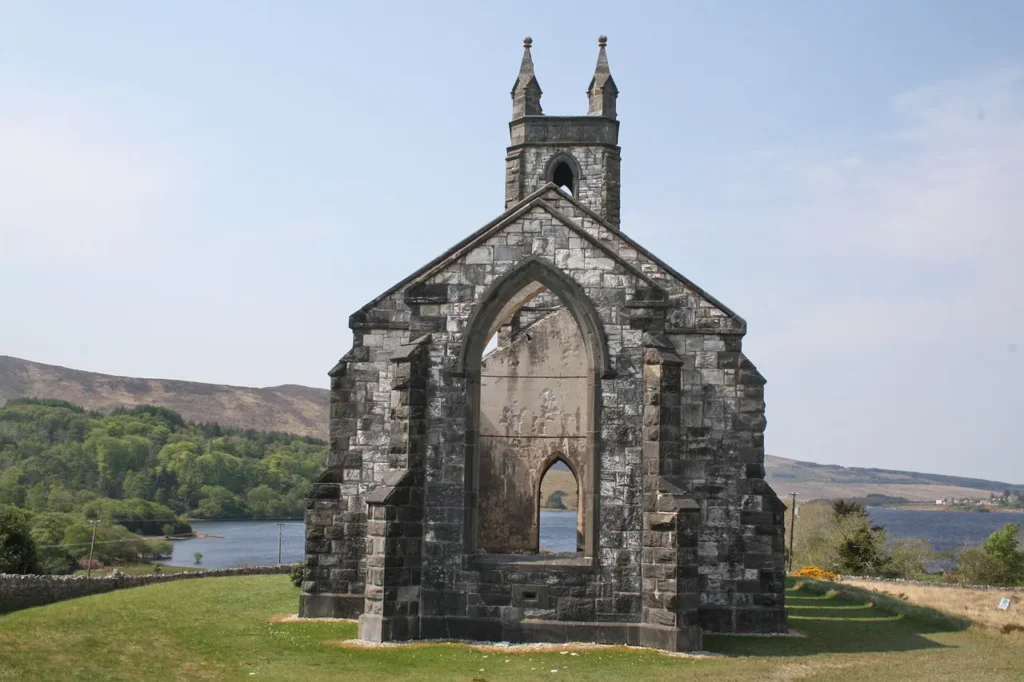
column 23, row 591
column 924, row 583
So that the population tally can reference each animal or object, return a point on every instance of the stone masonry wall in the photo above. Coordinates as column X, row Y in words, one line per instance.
column 23, row 591
column 588, row 143
column 709, row 436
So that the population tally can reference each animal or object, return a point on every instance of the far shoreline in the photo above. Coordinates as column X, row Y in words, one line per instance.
column 949, row 508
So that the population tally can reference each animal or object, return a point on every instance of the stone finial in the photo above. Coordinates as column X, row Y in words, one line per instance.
column 526, row 91
column 602, row 91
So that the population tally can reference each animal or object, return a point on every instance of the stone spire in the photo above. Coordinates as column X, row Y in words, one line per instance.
column 602, row 90
column 526, row 92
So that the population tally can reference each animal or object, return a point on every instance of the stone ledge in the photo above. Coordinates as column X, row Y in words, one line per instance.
column 537, row 631
column 348, row 606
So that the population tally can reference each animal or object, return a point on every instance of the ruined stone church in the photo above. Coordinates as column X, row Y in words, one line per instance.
column 547, row 338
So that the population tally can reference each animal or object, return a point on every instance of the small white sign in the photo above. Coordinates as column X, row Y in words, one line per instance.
column 1004, row 604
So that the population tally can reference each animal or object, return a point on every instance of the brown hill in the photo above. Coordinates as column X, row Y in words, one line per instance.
column 296, row 409
column 831, row 481
column 304, row 410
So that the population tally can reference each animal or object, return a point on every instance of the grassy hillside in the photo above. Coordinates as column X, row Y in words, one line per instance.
column 291, row 409
column 231, row 629
column 303, row 410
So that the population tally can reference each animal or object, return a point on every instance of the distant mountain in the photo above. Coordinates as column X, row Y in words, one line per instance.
column 812, row 481
column 290, row 408
column 304, row 411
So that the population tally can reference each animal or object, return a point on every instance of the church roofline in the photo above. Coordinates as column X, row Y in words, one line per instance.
column 660, row 263
column 535, row 200
column 512, row 210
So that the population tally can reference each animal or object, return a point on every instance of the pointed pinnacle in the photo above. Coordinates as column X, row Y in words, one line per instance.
column 526, row 68
column 526, row 91
column 602, row 56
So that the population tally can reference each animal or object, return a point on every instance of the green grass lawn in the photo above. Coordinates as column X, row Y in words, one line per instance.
column 220, row 628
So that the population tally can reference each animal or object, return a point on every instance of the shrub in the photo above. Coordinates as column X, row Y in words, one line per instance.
column 860, row 546
column 297, row 572
column 816, row 573
column 56, row 561
column 17, row 548
column 997, row 562
column 908, row 559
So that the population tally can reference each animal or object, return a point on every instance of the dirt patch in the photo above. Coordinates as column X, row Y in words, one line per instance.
column 800, row 671
column 513, row 649
column 294, row 618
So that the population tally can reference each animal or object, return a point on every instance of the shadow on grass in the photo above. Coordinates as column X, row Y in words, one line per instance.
column 841, row 619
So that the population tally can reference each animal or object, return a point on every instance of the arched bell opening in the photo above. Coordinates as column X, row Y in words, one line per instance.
column 564, row 172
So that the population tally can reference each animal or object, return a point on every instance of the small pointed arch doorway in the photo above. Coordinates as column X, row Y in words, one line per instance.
column 559, row 523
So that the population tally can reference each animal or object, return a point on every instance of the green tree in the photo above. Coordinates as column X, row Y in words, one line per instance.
column 17, row 548
column 998, row 561
column 218, row 503
column 843, row 509
column 56, row 457
column 1003, row 546
column 908, row 558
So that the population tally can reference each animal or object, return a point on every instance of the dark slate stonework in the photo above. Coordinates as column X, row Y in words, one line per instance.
column 680, row 532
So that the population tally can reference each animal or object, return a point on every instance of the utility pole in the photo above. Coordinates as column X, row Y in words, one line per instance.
column 92, row 543
column 792, row 527
column 280, row 529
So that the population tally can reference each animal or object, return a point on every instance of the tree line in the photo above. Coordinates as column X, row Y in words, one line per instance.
column 140, row 471
column 841, row 538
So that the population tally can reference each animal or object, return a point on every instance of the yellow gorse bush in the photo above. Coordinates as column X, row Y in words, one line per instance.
column 816, row 573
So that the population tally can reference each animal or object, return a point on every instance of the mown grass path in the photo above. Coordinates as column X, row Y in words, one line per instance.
column 221, row 629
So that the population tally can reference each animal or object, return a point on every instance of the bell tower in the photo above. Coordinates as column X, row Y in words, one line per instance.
column 580, row 154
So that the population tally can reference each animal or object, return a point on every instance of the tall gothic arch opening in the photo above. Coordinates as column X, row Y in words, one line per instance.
column 533, row 402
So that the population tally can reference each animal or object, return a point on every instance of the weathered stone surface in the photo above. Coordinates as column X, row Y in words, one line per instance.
column 607, row 359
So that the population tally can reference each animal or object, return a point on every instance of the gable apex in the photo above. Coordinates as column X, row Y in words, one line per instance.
column 545, row 199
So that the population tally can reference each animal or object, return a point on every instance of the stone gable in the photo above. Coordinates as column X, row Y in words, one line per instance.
column 424, row 523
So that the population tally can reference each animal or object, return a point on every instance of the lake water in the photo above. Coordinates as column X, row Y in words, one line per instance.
column 240, row 543
column 945, row 530
column 252, row 543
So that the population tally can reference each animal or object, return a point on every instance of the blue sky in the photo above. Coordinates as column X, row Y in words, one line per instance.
column 206, row 190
